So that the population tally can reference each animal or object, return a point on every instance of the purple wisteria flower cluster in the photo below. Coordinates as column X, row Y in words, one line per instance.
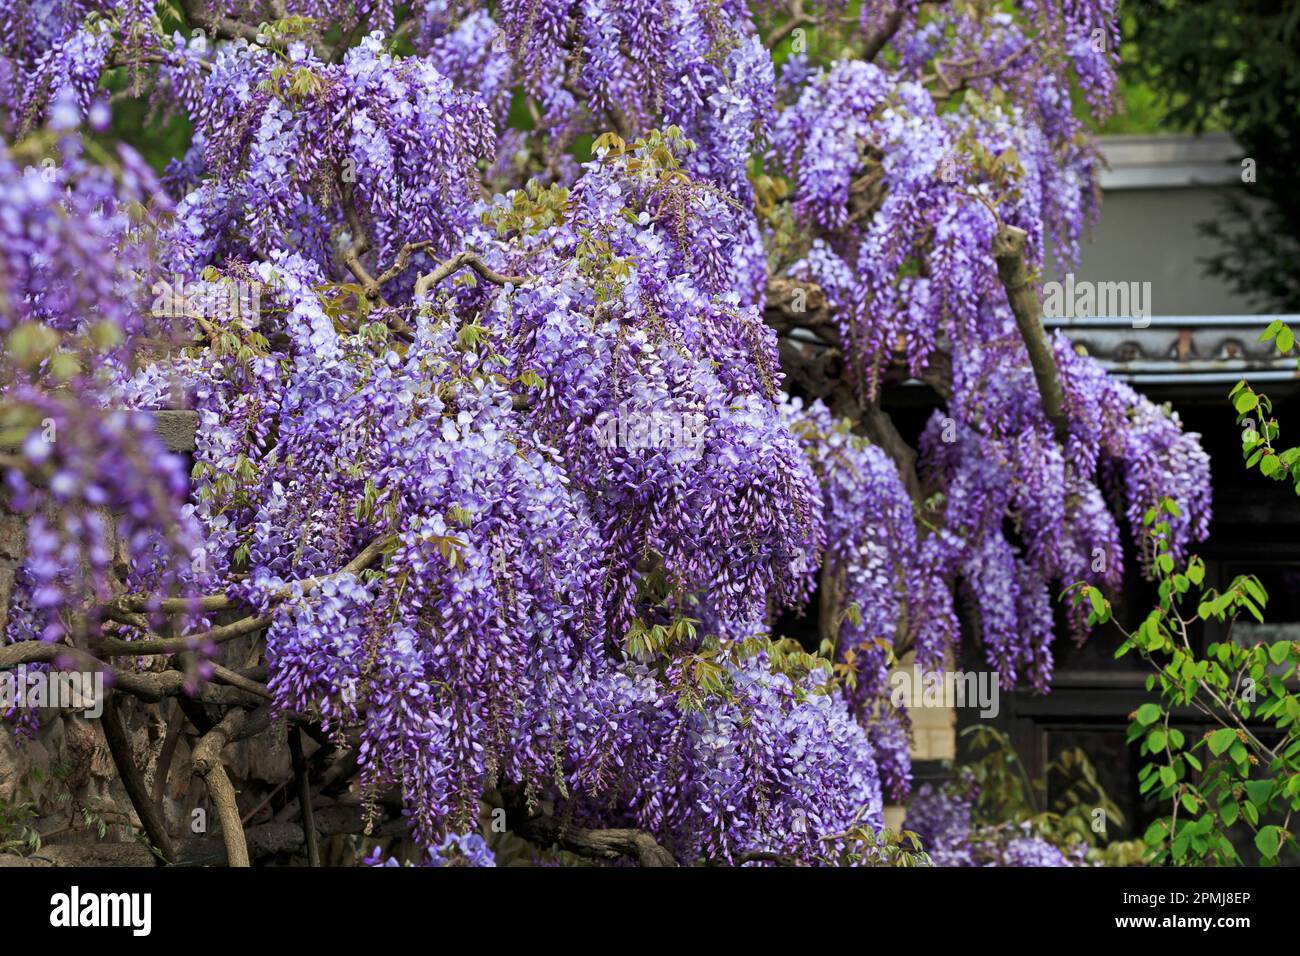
column 942, row 818
column 104, row 502
column 900, row 202
column 455, row 850
column 412, row 467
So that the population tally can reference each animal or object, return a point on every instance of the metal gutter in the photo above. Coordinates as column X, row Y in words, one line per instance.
column 1170, row 161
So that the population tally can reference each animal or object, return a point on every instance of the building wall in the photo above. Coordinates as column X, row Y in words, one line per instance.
column 1157, row 192
column 1151, row 235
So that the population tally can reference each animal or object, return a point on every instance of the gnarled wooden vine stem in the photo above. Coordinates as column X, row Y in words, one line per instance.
column 595, row 844
column 112, row 646
column 310, row 840
column 463, row 260
column 206, row 760
column 119, row 746
column 1009, row 253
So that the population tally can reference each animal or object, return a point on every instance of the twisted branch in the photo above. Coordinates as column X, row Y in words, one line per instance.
column 113, row 646
column 596, row 844
column 460, row 261
column 119, row 746
column 149, row 687
column 886, row 32
column 1009, row 253
column 206, row 760
column 304, row 797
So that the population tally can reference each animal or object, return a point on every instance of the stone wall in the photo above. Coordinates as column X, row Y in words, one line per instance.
column 934, row 737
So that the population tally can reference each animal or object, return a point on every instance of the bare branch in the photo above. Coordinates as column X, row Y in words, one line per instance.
column 164, row 765
column 207, row 604
column 400, row 263
column 225, row 675
column 886, row 32
column 149, row 687
column 360, row 244
column 596, row 844
column 798, row 18
column 460, row 261
column 206, row 760
column 304, row 796
column 112, row 646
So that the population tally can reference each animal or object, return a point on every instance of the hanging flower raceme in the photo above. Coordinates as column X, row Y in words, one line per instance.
column 661, row 394
column 903, row 202
column 81, row 242
column 374, row 152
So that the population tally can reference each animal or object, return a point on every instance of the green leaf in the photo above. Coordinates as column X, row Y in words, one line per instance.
column 1155, row 833
column 1255, row 589
column 1221, row 740
column 1278, row 651
column 1267, row 841
column 1244, row 402
column 1148, row 714
column 1259, row 792
column 1285, row 339
column 855, row 614
column 1254, row 611
column 1156, row 741
column 1229, row 813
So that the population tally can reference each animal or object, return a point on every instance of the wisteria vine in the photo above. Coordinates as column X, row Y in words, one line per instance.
column 511, row 440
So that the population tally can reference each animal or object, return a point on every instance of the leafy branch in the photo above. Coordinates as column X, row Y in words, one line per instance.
column 1247, row 766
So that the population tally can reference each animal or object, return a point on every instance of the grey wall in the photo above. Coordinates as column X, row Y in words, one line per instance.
column 1157, row 191
column 1150, row 235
